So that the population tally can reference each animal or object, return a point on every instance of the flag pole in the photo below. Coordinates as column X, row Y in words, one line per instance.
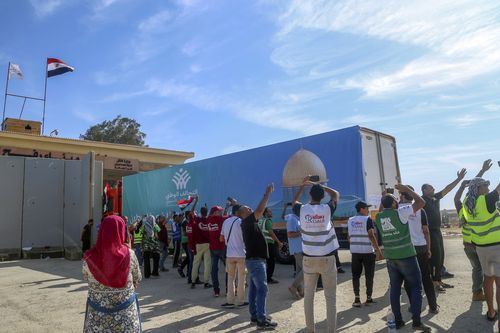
column 5, row 97
column 44, row 96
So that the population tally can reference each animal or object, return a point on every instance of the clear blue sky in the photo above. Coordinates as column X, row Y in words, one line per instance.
column 214, row 77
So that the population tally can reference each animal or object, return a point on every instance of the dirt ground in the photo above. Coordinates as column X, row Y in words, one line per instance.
column 49, row 296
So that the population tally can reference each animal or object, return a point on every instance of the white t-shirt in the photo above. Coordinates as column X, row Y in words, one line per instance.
column 415, row 224
column 404, row 213
column 235, row 248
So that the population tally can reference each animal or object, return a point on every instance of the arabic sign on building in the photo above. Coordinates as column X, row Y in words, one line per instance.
column 112, row 163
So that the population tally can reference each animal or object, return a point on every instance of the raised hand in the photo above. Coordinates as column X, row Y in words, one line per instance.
column 401, row 188
column 461, row 173
column 486, row 165
column 270, row 188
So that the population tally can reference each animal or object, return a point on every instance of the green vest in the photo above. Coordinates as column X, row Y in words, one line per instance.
column 485, row 226
column 395, row 235
column 466, row 230
column 138, row 235
column 262, row 225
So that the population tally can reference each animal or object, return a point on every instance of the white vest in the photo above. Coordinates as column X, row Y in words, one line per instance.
column 318, row 234
column 360, row 242
column 415, row 224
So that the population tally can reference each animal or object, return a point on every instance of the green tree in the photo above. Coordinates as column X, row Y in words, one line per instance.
column 119, row 130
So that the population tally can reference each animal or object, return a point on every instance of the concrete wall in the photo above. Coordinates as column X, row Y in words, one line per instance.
column 11, row 199
column 46, row 202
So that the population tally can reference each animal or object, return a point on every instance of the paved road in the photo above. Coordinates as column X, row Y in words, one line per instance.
column 49, row 296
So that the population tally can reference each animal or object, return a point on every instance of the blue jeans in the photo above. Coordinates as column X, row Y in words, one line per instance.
column 477, row 270
column 216, row 256
column 164, row 254
column 138, row 253
column 257, row 289
column 190, row 264
column 405, row 270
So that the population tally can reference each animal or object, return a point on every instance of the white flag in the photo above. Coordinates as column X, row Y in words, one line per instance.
column 15, row 72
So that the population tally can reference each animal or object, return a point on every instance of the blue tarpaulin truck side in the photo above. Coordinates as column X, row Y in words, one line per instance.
column 356, row 161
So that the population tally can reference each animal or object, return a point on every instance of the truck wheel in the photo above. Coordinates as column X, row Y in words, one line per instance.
column 283, row 255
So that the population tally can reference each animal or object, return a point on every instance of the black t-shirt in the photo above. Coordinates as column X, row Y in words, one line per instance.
column 423, row 217
column 86, row 237
column 491, row 201
column 255, row 243
column 369, row 224
column 432, row 210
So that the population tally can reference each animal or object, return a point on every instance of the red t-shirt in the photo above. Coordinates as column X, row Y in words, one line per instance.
column 199, row 230
column 203, row 235
column 214, row 229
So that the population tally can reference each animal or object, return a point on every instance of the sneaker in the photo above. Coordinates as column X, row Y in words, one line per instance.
column 434, row 310
column 340, row 270
column 266, row 325
column 357, row 303
column 207, row 285
column 369, row 301
column 242, row 305
column 228, row 305
column 193, row 285
column 399, row 324
column 421, row 328
column 446, row 285
column 440, row 289
column 447, row 275
column 253, row 321
column 181, row 273
column 216, row 292
column 272, row 281
column 294, row 291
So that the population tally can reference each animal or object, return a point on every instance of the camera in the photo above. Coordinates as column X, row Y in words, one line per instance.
column 389, row 190
column 314, row 178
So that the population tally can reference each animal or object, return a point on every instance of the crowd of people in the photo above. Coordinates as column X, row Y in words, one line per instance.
column 406, row 232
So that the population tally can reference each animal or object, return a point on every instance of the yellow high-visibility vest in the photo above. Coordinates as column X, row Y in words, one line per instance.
column 138, row 235
column 466, row 231
column 485, row 226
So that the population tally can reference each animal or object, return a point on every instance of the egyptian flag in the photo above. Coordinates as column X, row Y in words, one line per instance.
column 56, row 67
column 184, row 203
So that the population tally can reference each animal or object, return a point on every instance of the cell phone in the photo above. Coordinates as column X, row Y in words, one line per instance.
column 314, row 178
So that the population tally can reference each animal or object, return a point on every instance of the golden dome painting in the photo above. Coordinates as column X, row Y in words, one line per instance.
column 301, row 164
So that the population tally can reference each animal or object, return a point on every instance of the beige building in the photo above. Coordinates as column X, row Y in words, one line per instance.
column 118, row 160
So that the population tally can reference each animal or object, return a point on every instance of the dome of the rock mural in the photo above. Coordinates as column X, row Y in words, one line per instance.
column 301, row 164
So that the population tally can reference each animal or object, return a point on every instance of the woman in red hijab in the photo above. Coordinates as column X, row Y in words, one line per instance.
column 112, row 271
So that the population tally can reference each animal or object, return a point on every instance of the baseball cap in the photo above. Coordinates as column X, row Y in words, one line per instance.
column 216, row 209
column 361, row 204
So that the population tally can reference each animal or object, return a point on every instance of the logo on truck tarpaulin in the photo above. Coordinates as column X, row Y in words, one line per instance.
column 185, row 186
column 180, row 179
